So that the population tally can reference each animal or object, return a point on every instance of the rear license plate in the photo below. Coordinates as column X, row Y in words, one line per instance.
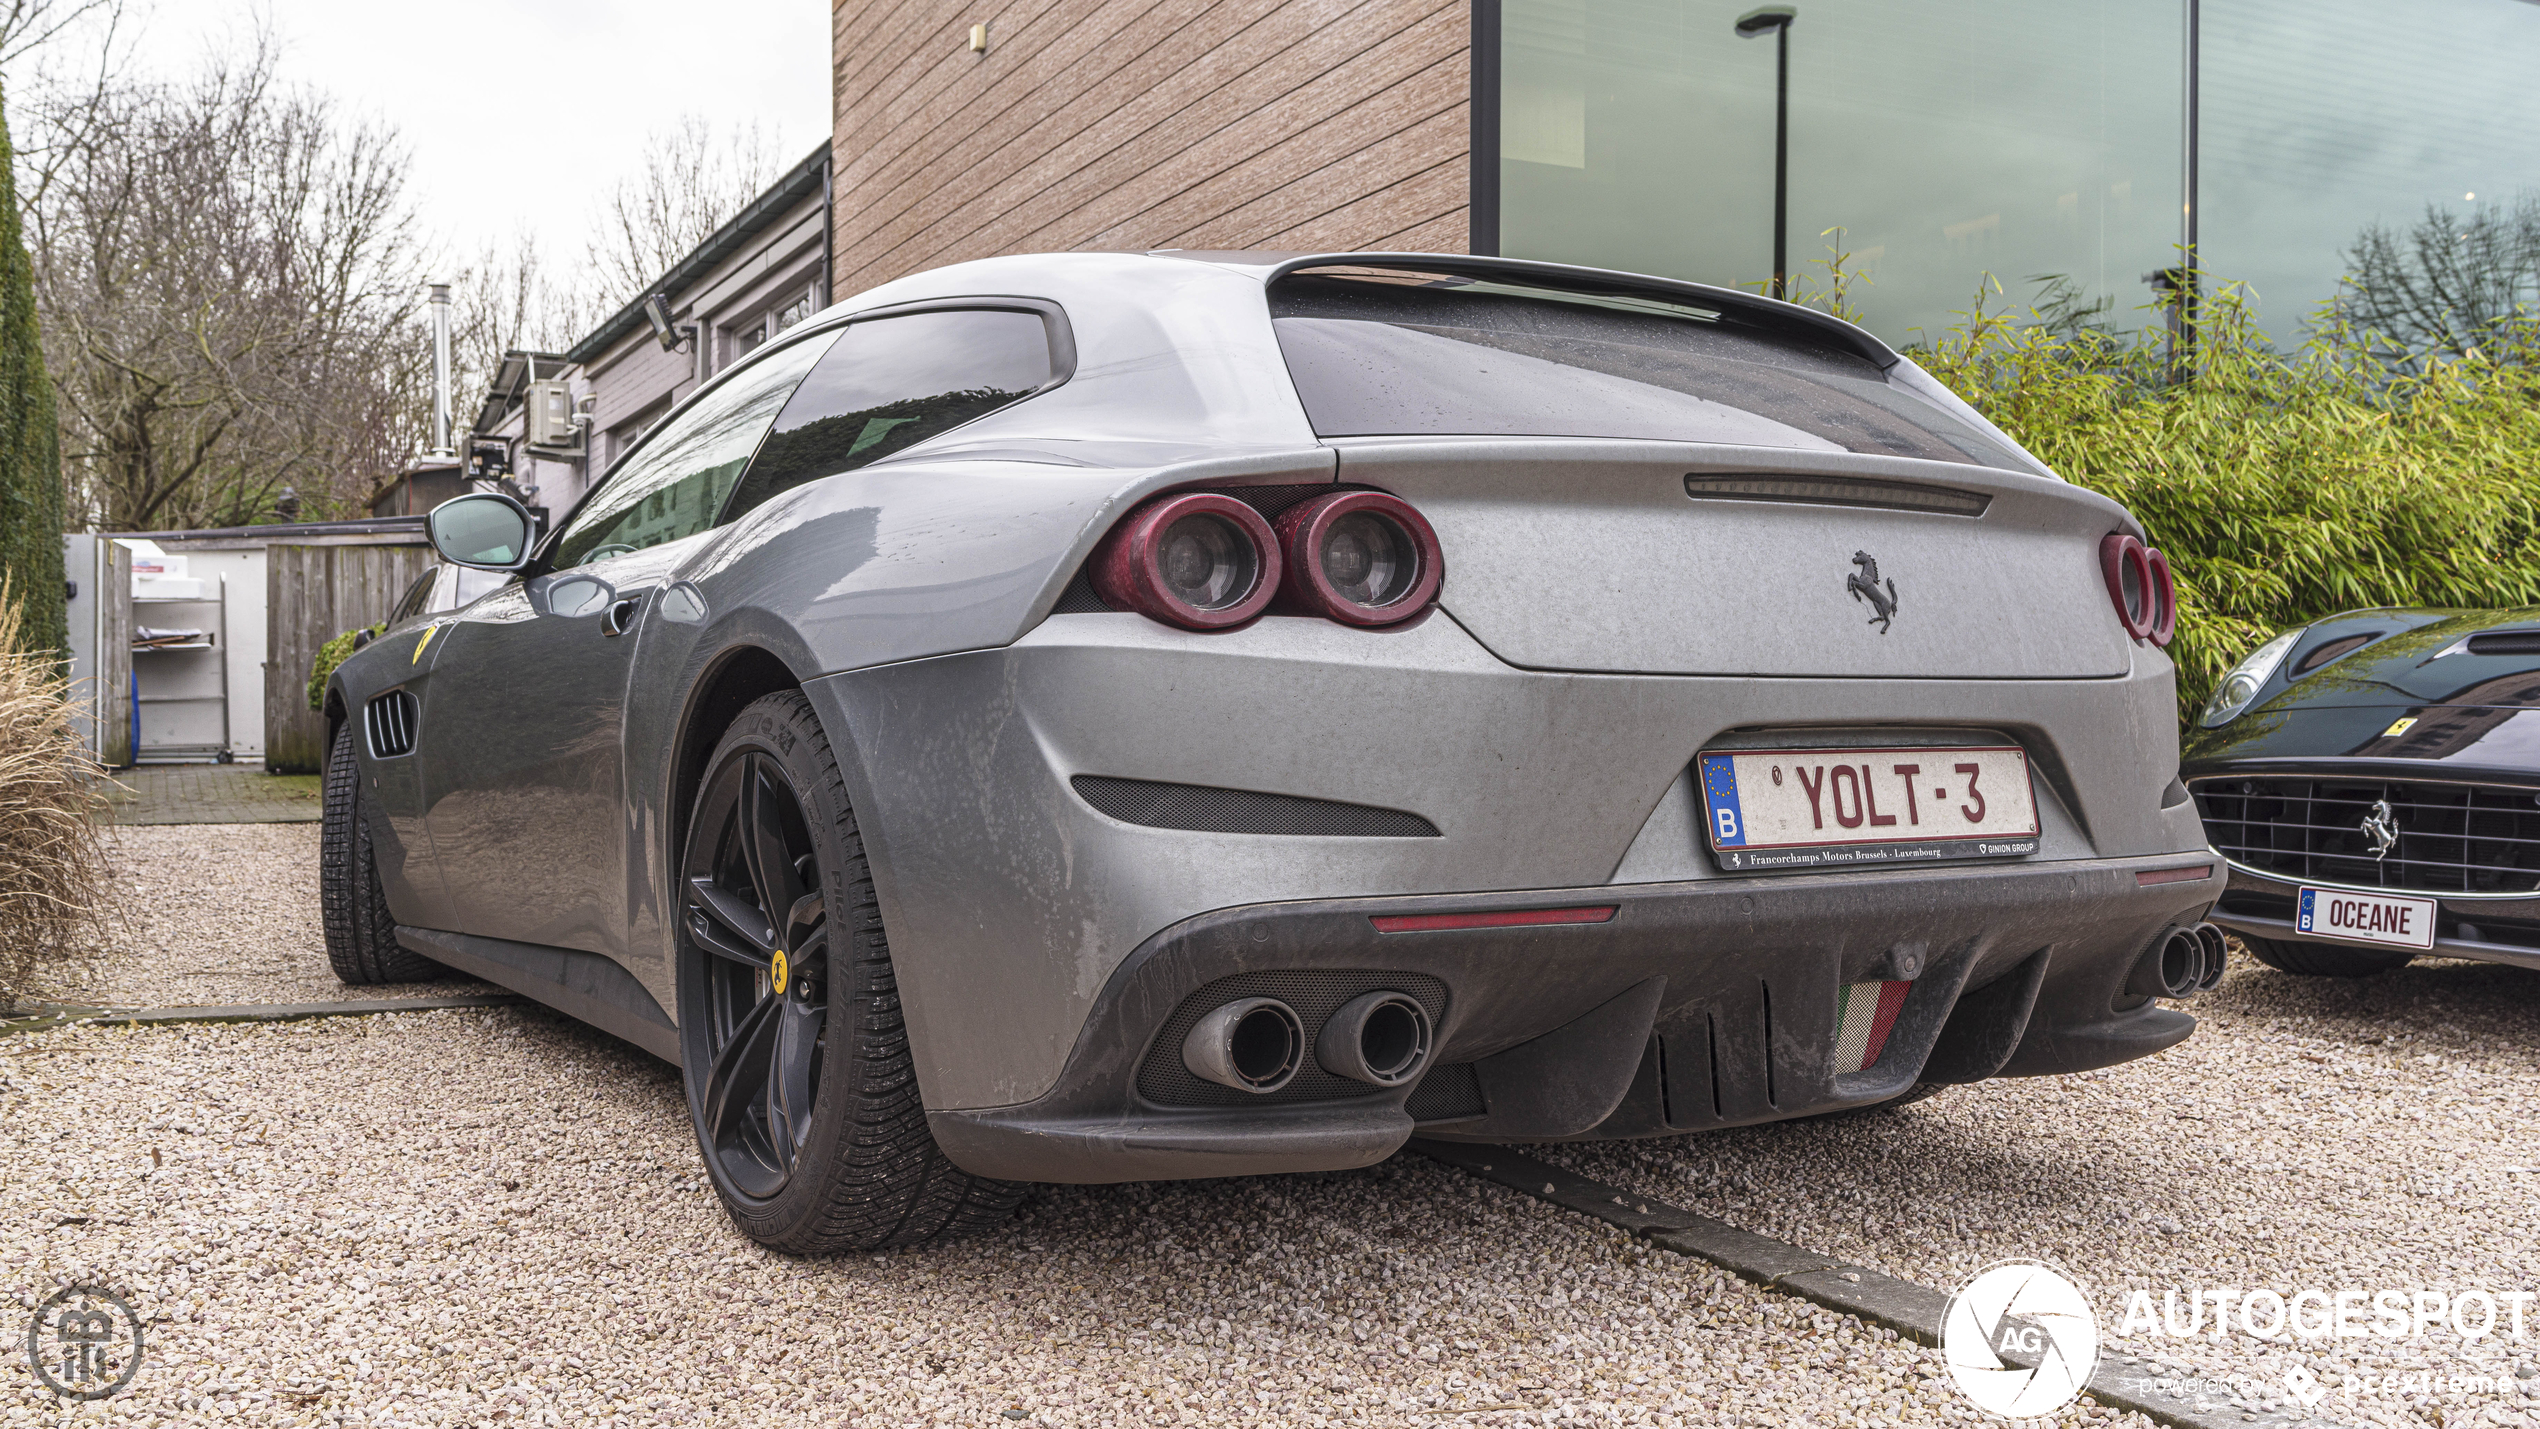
column 2375, row 918
column 1854, row 808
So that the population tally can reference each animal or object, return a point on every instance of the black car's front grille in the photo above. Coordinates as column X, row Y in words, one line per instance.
column 2451, row 838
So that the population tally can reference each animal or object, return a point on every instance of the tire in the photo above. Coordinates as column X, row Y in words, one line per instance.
column 361, row 936
column 801, row 1087
column 2322, row 959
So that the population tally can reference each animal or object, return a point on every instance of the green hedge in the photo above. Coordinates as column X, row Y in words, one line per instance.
column 332, row 654
column 2283, row 487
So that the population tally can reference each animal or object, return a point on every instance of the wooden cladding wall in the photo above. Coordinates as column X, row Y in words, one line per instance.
column 312, row 595
column 1134, row 124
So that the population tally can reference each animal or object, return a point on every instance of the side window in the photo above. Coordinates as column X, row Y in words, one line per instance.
column 467, row 586
column 673, row 485
column 890, row 383
column 417, row 593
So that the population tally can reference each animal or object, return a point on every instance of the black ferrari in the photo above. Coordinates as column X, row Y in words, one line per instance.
column 2373, row 781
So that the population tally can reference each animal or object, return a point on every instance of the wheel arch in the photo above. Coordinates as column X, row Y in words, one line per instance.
column 730, row 683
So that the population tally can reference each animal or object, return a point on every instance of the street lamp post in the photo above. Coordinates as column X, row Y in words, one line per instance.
column 1775, row 20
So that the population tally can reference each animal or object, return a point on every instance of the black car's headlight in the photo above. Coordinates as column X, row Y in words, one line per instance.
column 2241, row 686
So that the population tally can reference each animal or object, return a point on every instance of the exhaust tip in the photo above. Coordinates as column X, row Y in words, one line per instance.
column 2217, row 956
column 1381, row 1038
column 1253, row 1044
column 2174, row 966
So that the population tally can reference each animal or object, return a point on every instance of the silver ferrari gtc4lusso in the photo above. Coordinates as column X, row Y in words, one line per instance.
column 1101, row 717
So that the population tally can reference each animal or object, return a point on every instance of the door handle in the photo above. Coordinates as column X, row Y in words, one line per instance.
column 621, row 615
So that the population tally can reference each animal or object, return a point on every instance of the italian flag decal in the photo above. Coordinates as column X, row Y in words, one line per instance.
column 1869, row 1012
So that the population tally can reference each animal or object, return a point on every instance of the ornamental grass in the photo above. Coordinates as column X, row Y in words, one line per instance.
column 2283, row 486
column 53, row 892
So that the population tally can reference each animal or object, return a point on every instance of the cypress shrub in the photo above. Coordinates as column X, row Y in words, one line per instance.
column 2283, row 486
column 30, row 442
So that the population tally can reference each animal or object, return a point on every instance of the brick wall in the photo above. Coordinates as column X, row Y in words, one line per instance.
column 1130, row 124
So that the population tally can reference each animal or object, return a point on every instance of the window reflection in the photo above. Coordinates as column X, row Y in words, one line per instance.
column 1948, row 139
column 676, row 484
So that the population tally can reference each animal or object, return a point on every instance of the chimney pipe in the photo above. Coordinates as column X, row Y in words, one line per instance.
column 441, row 371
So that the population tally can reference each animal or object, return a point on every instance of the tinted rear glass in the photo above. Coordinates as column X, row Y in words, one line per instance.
column 1412, row 355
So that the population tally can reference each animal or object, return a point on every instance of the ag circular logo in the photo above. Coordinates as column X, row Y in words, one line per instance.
column 85, row 1343
column 2020, row 1340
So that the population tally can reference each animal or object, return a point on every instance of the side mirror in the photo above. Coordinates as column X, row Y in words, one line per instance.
column 483, row 530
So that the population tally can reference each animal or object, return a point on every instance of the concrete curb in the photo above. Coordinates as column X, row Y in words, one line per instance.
column 1911, row 1310
column 248, row 1012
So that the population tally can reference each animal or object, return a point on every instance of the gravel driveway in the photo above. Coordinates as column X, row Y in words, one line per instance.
column 495, row 1218
column 2313, row 1133
column 214, row 914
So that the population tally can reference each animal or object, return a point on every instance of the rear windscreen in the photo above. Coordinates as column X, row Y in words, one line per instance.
column 1401, row 354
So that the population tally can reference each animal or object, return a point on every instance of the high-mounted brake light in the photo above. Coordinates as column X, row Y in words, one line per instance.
column 1199, row 560
column 2140, row 586
column 1360, row 557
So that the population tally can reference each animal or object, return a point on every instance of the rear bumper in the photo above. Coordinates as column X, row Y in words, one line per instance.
column 2477, row 930
column 1694, row 1006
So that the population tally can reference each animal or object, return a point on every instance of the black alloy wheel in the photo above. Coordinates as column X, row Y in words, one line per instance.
column 800, row 1080
column 754, row 907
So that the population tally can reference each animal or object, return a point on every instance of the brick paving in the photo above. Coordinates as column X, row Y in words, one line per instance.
column 212, row 794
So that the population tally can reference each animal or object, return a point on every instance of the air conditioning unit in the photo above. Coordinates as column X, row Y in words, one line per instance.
column 551, row 422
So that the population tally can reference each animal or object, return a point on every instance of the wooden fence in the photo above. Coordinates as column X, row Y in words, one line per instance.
column 312, row 595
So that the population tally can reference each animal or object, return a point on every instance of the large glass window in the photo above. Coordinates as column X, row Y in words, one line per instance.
column 891, row 383
column 676, row 482
column 2323, row 119
column 1390, row 354
column 2030, row 139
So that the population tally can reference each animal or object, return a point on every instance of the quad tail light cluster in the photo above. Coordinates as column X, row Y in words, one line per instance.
column 1203, row 560
column 2139, row 584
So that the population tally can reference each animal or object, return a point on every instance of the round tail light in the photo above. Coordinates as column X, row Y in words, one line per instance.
column 1360, row 557
column 1199, row 560
column 2133, row 585
column 2165, row 590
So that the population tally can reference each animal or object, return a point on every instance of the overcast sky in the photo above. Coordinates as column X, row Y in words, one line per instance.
column 521, row 113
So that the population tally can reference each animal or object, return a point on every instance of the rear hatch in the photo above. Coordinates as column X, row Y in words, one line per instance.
column 1593, row 556
column 1656, row 481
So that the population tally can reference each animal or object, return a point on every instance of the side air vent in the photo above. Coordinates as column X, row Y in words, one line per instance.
column 391, row 722
column 2506, row 642
column 1197, row 808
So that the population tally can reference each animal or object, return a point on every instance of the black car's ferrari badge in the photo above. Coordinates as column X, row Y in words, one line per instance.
column 2381, row 826
column 1864, row 585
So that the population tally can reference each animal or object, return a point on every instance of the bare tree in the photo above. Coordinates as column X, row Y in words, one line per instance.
column 26, row 25
column 2450, row 286
column 509, row 301
column 688, row 183
column 230, row 282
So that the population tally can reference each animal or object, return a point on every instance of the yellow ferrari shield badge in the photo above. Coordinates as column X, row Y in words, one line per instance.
column 776, row 971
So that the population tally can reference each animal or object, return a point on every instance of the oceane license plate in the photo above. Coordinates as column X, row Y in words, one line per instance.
column 1852, row 808
column 2366, row 918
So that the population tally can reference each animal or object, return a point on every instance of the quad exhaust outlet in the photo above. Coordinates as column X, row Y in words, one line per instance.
column 2181, row 962
column 1381, row 1038
column 1253, row 1044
